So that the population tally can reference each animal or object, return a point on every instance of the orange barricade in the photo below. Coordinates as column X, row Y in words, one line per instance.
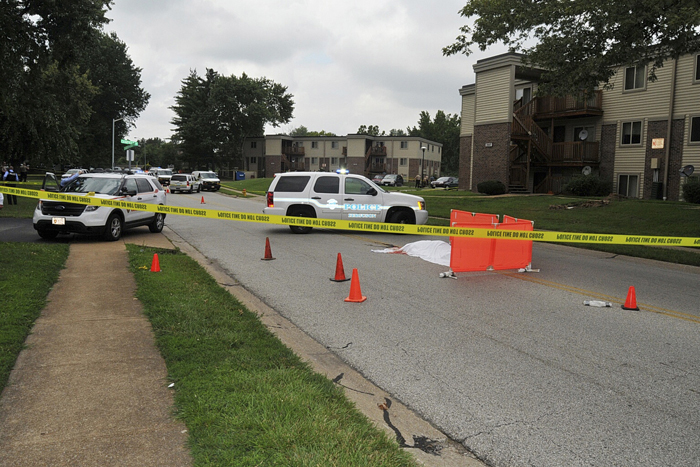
column 481, row 254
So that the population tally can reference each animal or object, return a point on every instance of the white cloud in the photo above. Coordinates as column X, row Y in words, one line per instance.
column 347, row 64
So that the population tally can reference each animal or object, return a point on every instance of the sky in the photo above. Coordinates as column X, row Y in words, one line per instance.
column 347, row 64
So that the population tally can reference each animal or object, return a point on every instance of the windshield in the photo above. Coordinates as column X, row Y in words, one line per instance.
column 106, row 186
column 165, row 172
column 208, row 175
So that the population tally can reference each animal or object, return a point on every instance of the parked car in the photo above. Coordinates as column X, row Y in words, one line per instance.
column 163, row 175
column 392, row 180
column 209, row 180
column 445, row 182
column 340, row 196
column 54, row 217
column 70, row 172
column 184, row 182
column 378, row 179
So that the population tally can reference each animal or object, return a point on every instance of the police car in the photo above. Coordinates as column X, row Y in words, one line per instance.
column 340, row 196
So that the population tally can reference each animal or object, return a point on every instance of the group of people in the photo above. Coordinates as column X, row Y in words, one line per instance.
column 426, row 181
column 8, row 176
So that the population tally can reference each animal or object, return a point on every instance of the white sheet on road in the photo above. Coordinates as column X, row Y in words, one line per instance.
column 434, row 251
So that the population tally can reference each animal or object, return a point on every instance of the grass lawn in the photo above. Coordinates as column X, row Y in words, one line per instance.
column 247, row 399
column 28, row 271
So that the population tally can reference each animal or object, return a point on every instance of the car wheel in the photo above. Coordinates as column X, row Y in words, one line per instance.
column 48, row 234
column 297, row 229
column 113, row 230
column 400, row 217
column 158, row 222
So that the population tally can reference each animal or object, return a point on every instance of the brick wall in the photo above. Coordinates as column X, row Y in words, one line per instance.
column 491, row 163
column 608, row 144
column 465, row 162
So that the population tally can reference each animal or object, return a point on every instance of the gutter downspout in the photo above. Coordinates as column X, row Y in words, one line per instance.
column 668, row 127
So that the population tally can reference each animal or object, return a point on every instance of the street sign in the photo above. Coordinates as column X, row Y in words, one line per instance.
column 129, row 144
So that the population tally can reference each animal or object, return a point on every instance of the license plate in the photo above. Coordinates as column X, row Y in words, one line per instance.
column 58, row 221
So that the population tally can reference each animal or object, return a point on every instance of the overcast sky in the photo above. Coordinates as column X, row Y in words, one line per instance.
column 347, row 63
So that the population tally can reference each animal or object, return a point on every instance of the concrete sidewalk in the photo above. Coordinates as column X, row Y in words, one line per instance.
column 91, row 387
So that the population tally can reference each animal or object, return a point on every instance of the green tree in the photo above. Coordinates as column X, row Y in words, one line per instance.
column 195, row 120
column 443, row 129
column 54, row 80
column 580, row 44
column 303, row 131
column 118, row 95
column 371, row 130
column 215, row 114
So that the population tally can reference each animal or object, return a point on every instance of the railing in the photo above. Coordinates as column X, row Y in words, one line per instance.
column 549, row 105
column 377, row 151
column 576, row 152
column 518, row 176
column 378, row 168
column 525, row 126
column 293, row 150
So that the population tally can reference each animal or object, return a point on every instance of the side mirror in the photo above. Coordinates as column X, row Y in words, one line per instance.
column 372, row 192
column 127, row 192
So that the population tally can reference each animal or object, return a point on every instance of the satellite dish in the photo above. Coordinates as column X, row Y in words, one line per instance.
column 583, row 135
column 687, row 170
column 586, row 170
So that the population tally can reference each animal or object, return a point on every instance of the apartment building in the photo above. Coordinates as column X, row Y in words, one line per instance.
column 360, row 154
column 637, row 134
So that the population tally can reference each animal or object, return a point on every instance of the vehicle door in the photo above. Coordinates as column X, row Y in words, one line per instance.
column 50, row 182
column 361, row 201
column 325, row 195
column 132, row 192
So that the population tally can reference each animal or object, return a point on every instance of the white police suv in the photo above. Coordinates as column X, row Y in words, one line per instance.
column 52, row 217
column 340, row 196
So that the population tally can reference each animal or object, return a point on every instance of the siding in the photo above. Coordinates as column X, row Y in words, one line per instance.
column 467, row 126
column 652, row 102
column 687, row 99
column 494, row 90
column 630, row 160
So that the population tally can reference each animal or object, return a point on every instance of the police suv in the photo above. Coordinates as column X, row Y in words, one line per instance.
column 340, row 196
column 54, row 216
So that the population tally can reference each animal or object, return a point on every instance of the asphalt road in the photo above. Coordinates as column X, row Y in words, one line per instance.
column 513, row 366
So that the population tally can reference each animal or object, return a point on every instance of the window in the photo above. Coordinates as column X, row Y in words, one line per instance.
column 627, row 185
column 253, row 144
column 695, row 129
column 403, row 161
column 292, row 184
column 314, row 160
column 334, row 145
column 253, row 160
column 334, row 161
column 144, row 186
column 327, row 185
column 524, row 94
column 635, row 77
column 314, row 144
column 404, row 144
column 355, row 186
column 631, row 133
column 697, row 68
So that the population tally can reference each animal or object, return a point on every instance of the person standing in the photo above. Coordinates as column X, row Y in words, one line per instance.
column 417, row 180
column 10, row 176
column 23, row 169
column 0, row 199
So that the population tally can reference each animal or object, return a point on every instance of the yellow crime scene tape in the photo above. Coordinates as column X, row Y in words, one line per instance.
column 537, row 236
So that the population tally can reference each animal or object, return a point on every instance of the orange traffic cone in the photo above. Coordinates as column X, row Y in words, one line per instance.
column 155, row 264
column 268, row 251
column 202, row 201
column 355, row 292
column 631, row 302
column 339, row 271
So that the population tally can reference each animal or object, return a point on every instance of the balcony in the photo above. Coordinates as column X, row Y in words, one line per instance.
column 575, row 153
column 377, row 151
column 293, row 150
column 548, row 107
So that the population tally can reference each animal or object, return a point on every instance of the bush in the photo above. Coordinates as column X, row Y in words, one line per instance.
column 491, row 187
column 588, row 185
column 691, row 191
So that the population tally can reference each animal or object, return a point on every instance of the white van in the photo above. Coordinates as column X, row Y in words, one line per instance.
column 208, row 179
